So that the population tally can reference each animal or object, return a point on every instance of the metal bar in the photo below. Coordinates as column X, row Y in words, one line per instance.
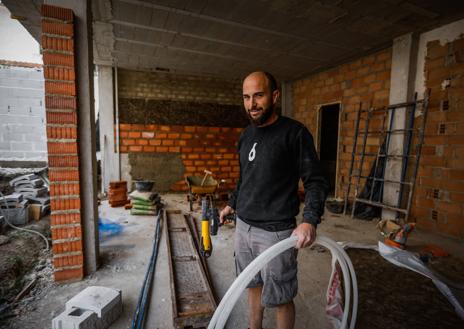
column 393, row 156
column 418, row 153
column 378, row 156
column 192, row 223
column 406, row 150
column 383, row 180
column 390, row 131
column 369, row 114
column 395, row 106
column 382, row 205
column 193, row 302
column 350, row 172
column 387, row 146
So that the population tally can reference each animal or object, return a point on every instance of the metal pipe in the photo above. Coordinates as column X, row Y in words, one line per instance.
column 353, row 153
column 406, row 150
column 116, row 107
column 395, row 106
column 368, row 118
column 390, row 131
column 418, row 152
column 142, row 304
column 378, row 156
column 382, row 205
column 383, row 180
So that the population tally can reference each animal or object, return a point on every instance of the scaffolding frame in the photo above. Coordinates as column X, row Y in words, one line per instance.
column 384, row 135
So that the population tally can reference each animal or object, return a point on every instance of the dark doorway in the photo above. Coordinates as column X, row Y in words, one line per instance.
column 328, row 145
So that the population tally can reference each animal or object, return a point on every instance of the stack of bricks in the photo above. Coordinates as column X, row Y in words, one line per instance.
column 61, row 114
column 201, row 148
column 117, row 194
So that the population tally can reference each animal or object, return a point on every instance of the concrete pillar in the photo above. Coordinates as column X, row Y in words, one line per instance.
column 404, row 57
column 109, row 157
column 86, row 127
column 287, row 99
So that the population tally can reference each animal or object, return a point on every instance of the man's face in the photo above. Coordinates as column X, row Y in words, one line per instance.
column 258, row 99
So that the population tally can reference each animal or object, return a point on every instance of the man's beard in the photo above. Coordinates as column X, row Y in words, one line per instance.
column 267, row 113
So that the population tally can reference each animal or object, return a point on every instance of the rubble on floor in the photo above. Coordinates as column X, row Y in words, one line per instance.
column 29, row 200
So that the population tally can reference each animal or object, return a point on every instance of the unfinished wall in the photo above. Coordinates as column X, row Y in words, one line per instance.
column 439, row 195
column 365, row 80
column 22, row 112
column 62, row 126
column 189, row 122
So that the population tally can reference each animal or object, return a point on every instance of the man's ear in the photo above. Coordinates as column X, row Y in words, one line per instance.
column 275, row 96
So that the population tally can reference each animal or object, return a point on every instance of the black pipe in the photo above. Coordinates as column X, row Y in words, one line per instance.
column 142, row 304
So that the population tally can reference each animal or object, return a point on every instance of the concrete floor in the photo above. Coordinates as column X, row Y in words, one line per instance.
column 124, row 261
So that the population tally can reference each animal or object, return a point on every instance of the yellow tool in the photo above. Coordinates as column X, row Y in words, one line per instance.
column 206, row 245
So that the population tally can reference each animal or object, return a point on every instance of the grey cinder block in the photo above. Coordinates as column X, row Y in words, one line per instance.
column 105, row 303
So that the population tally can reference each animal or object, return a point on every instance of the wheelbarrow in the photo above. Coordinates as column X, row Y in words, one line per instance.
column 201, row 186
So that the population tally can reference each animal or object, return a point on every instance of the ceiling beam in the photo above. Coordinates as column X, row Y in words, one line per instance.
column 235, row 71
column 198, row 52
column 199, row 37
column 230, row 23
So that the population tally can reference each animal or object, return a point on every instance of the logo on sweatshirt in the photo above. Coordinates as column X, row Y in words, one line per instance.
column 252, row 154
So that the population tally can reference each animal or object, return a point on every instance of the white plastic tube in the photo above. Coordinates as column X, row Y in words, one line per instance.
column 229, row 300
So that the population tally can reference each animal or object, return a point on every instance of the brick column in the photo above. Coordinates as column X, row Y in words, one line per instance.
column 63, row 161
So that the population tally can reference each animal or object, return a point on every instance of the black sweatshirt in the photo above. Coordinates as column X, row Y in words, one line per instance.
column 272, row 160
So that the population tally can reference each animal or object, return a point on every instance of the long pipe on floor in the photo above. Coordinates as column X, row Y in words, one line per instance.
column 229, row 300
column 142, row 304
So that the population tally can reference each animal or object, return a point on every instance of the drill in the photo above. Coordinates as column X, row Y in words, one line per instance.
column 210, row 225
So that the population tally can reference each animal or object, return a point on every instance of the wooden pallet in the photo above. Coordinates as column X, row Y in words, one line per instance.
column 193, row 302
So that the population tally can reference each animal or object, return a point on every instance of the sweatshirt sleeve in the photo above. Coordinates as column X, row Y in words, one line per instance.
column 233, row 198
column 316, row 184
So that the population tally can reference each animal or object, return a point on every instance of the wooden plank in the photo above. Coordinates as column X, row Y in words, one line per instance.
column 193, row 303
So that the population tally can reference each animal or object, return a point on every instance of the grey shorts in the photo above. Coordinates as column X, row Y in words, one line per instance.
column 278, row 277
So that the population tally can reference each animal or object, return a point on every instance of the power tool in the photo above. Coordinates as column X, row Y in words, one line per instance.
column 210, row 225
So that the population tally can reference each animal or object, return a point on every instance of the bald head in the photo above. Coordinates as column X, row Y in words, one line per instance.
column 266, row 78
column 260, row 94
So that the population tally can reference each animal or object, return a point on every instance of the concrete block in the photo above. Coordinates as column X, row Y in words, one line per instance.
column 21, row 146
column 11, row 155
column 5, row 146
column 105, row 303
column 75, row 318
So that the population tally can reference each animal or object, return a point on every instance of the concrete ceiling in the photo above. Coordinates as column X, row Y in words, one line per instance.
column 291, row 38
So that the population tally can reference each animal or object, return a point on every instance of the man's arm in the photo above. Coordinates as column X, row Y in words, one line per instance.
column 232, row 203
column 316, row 188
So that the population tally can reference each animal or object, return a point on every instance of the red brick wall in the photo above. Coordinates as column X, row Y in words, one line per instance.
column 439, row 195
column 366, row 80
column 200, row 147
column 61, row 112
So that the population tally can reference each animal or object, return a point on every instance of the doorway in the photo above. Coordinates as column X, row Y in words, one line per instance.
column 329, row 116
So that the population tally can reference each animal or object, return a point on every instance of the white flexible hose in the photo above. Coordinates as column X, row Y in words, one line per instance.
column 229, row 300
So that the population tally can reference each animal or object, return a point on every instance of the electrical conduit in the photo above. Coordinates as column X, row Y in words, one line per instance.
column 229, row 300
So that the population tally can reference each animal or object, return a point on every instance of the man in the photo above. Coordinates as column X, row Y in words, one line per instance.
column 274, row 153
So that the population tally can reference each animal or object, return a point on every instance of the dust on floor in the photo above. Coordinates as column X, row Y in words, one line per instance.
column 390, row 297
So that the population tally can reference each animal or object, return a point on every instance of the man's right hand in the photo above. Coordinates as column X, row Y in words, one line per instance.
column 224, row 212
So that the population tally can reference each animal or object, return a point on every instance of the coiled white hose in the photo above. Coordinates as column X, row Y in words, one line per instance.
column 229, row 300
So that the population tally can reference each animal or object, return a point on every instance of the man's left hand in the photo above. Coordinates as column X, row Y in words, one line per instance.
column 306, row 234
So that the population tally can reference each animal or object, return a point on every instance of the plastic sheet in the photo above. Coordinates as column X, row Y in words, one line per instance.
column 108, row 228
column 452, row 291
